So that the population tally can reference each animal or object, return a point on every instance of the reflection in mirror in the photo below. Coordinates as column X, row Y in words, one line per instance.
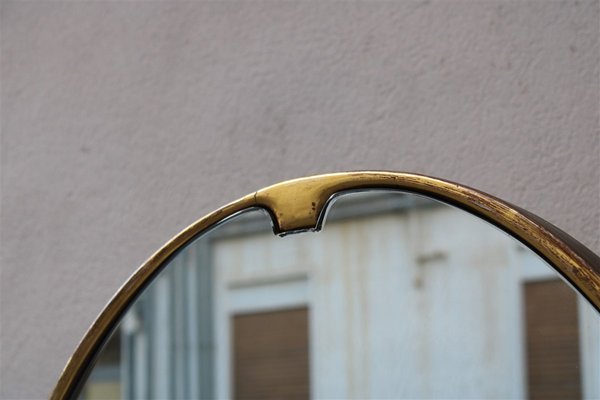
column 398, row 296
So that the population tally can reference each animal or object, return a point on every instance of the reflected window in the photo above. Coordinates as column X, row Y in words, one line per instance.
column 271, row 354
column 552, row 324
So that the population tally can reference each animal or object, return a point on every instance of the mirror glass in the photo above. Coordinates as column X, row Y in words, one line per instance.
column 399, row 296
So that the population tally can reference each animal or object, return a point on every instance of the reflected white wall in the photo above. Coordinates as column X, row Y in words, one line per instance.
column 428, row 307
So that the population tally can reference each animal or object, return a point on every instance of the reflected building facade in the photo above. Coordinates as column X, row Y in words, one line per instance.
column 397, row 297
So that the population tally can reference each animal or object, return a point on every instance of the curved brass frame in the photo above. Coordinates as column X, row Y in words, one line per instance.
column 299, row 205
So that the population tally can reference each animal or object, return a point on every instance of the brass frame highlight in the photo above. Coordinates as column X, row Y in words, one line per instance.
column 299, row 205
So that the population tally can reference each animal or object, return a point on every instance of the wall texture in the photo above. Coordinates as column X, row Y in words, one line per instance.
column 122, row 122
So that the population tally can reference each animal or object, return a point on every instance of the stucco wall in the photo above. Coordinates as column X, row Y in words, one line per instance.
column 122, row 122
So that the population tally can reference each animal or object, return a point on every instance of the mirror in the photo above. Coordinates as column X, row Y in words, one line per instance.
column 398, row 295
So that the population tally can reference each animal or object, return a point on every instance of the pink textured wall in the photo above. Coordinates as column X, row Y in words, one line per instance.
column 123, row 122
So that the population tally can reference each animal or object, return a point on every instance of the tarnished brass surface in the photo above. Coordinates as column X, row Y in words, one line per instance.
column 298, row 205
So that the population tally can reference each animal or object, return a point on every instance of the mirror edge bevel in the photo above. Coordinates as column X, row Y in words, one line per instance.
column 300, row 204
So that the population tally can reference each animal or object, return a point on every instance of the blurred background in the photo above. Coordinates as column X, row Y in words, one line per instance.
column 123, row 122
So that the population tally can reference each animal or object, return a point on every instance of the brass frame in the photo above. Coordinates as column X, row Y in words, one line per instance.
column 299, row 205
